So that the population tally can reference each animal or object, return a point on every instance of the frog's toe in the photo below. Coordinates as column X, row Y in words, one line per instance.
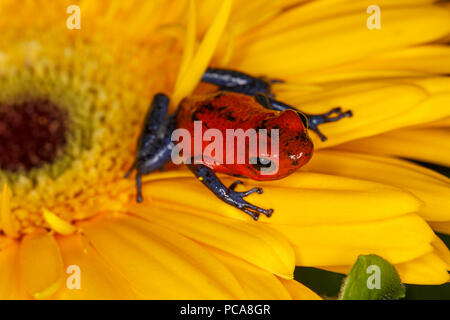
column 246, row 207
column 257, row 210
column 257, row 190
column 235, row 184
column 266, row 212
column 254, row 215
column 333, row 115
column 139, row 197
column 237, row 200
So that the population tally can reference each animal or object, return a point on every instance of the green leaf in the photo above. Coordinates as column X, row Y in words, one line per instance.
column 372, row 278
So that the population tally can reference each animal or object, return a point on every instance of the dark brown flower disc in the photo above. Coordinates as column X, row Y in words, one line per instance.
column 31, row 133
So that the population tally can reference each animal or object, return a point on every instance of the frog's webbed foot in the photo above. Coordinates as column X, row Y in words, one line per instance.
column 333, row 115
column 237, row 200
column 229, row 195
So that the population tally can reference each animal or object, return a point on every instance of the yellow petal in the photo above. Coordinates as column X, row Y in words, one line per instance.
column 428, row 145
column 443, row 227
column 416, row 61
column 302, row 198
column 11, row 285
column 57, row 224
column 257, row 244
column 298, row 291
column 441, row 250
column 98, row 280
column 397, row 239
column 5, row 242
column 431, row 109
column 432, row 188
column 248, row 14
column 375, row 111
column 257, row 283
column 300, row 15
column 443, row 123
column 245, row 15
column 189, row 46
column 159, row 263
column 41, row 264
column 428, row 269
column 200, row 61
column 427, row 59
column 346, row 73
column 375, row 106
column 339, row 39
column 7, row 223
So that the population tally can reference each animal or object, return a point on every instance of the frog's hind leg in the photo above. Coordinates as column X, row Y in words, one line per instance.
column 310, row 120
column 235, row 81
column 154, row 147
column 229, row 195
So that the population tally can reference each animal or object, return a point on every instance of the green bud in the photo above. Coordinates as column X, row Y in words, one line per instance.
column 372, row 278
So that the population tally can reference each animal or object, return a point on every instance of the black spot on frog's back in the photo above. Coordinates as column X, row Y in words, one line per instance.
column 230, row 116
column 194, row 116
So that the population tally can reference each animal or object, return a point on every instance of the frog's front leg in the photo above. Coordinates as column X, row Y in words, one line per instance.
column 228, row 195
column 154, row 148
column 333, row 115
column 313, row 120
column 236, row 81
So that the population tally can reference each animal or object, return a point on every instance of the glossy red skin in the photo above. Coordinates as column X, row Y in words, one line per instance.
column 227, row 110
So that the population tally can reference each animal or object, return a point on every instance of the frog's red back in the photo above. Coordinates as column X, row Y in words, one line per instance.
column 221, row 111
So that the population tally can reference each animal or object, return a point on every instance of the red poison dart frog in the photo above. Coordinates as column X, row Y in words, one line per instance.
column 227, row 99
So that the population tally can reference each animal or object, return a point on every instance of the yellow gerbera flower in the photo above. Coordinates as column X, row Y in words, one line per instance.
column 70, row 206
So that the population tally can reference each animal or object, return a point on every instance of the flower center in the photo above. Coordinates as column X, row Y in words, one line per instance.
column 32, row 132
column 69, row 120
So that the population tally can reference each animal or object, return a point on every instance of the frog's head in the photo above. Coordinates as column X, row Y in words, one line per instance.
column 288, row 147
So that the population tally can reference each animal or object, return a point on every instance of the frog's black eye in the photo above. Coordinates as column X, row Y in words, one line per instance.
column 304, row 119
column 259, row 163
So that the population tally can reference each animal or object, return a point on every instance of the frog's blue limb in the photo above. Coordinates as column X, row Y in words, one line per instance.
column 154, row 146
column 228, row 195
column 235, row 81
column 315, row 120
column 311, row 120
